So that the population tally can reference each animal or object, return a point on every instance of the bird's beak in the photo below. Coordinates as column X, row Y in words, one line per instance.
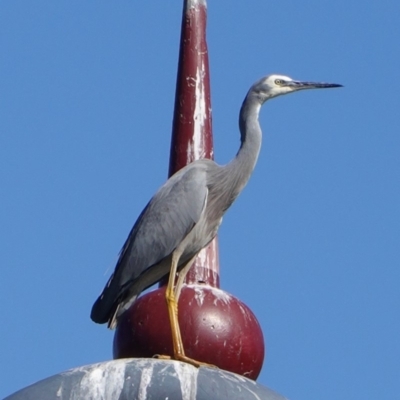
column 297, row 85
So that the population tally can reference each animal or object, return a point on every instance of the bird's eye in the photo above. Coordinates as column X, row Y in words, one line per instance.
column 279, row 81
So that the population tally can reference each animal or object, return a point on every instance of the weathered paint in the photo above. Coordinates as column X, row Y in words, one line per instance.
column 192, row 129
column 188, row 380
column 195, row 3
column 206, row 266
column 144, row 379
column 218, row 294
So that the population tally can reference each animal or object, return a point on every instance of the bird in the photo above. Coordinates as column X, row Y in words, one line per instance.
column 184, row 216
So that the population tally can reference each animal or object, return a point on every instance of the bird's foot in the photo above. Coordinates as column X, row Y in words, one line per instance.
column 191, row 361
column 185, row 359
column 162, row 357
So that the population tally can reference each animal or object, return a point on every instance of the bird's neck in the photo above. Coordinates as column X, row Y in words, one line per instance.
column 241, row 167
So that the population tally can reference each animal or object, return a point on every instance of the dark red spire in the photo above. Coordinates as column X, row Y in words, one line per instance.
column 192, row 137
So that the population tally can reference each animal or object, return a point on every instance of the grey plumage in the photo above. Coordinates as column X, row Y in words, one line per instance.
column 186, row 212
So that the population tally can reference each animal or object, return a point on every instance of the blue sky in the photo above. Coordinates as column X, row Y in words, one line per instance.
column 311, row 245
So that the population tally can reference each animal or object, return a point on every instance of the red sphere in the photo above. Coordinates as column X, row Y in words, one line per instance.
column 216, row 328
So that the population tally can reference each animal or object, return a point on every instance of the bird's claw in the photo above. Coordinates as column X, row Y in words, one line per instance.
column 162, row 357
column 193, row 362
column 185, row 359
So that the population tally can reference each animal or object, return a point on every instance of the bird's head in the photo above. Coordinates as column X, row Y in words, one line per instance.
column 276, row 85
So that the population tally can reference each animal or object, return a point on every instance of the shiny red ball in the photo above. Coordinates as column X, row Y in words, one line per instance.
column 216, row 328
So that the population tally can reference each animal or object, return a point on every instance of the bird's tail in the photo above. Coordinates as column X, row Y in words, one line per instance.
column 112, row 303
column 106, row 305
column 100, row 311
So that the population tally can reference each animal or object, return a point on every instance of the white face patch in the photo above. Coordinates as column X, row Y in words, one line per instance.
column 272, row 78
column 275, row 88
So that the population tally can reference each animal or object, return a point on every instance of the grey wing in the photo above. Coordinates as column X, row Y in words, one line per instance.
column 166, row 220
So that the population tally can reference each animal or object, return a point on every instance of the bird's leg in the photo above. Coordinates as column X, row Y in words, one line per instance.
column 181, row 277
column 172, row 304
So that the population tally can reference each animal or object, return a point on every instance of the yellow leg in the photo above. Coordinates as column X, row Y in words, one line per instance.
column 181, row 277
column 172, row 304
